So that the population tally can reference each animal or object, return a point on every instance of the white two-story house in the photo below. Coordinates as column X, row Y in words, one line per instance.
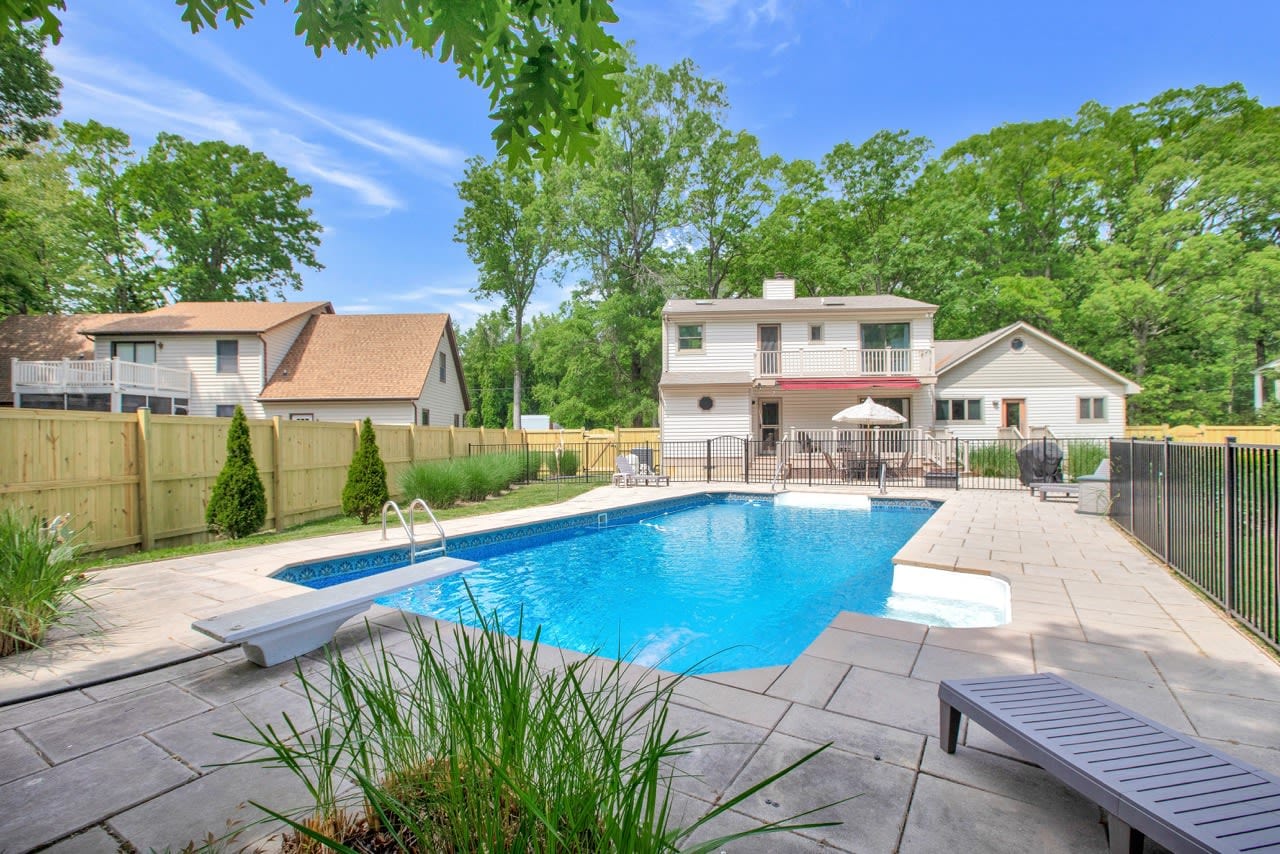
column 781, row 366
column 296, row 360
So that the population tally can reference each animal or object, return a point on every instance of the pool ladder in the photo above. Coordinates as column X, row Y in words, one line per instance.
column 409, row 527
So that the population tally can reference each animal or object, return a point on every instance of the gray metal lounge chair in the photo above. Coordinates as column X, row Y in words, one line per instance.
column 1150, row 780
column 649, row 477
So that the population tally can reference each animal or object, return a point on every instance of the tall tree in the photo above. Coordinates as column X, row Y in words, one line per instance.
column 28, row 90
column 107, row 220
column 549, row 66
column 230, row 220
column 488, row 362
column 731, row 187
column 513, row 225
column 42, row 259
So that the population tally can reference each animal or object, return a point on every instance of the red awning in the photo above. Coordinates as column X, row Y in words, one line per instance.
column 838, row 383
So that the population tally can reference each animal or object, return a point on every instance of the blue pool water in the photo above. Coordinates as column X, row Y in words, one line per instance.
column 718, row 586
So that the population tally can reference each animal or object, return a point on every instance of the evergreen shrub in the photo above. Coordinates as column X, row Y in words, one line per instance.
column 366, row 489
column 238, row 505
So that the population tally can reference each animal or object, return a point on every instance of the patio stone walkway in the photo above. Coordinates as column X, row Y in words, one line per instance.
column 134, row 764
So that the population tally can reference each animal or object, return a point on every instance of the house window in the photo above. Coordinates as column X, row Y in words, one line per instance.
column 228, row 357
column 815, row 333
column 225, row 410
column 455, row 420
column 443, row 365
column 1093, row 409
column 142, row 352
column 689, row 337
column 426, row 418
column 879, row 336
column 958, row 410
column 302, row 416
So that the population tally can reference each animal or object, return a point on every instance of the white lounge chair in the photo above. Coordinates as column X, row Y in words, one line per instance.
column 625, row 470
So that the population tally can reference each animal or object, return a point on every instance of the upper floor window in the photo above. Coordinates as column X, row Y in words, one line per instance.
column 878, row 336
column 958, row 410
column 142, row 352
column 228, row 357
column 1093, row 409
column 224, row 410
column 443, row 369
column 690, row 336
column 815, row 333
column 426, row 418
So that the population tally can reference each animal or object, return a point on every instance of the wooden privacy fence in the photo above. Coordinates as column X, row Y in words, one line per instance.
column 1253, row 434
column 142, row 480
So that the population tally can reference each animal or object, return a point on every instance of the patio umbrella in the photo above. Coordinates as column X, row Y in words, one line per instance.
column 870, row 413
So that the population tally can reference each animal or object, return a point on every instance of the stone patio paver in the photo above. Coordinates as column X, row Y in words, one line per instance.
column 135, row 759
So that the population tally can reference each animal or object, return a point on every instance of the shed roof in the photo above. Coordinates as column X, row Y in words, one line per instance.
column 364, row 357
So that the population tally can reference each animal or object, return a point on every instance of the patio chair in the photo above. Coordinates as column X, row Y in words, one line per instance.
column 625, row 470
column 898, row 468
column 840, row 472
column 649, row 477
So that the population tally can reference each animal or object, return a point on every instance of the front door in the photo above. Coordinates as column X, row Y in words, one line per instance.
column 769, row 343
column 770, row 425
column 1015, row 414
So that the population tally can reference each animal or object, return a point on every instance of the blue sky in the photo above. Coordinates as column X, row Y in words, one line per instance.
column 382, row 141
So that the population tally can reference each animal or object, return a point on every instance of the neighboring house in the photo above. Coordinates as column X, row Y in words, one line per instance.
column 225, row 351
column 48, row 338
column 296, row 360
column 393, row 368
column 780, row 366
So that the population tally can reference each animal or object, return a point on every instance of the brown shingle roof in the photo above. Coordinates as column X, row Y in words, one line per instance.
column 196, row 318
column 41, row 337
column 363, row 357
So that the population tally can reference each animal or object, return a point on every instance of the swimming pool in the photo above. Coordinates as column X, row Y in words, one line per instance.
column 713, row 582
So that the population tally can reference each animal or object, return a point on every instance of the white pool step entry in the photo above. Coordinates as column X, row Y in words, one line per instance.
column 957, row 599
column 826, row 500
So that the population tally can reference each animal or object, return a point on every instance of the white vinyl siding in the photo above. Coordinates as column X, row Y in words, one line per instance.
column 1051, row 381
column 280, row 339
column 683, row 421
column 444, row 399
column 198, row 354
column 347, row 411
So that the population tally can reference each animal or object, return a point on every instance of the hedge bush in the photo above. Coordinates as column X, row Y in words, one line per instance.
column 238, row 504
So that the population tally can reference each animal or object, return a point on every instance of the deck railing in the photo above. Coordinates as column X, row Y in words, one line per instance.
column 83, row 375
column 844, row 362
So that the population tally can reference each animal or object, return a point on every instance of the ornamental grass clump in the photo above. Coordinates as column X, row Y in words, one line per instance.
column 366, row 488
column 1084, row 458
column 238, row 504
column 462, row 742
column 443, row 483
column 993, row 461
column 38, row 580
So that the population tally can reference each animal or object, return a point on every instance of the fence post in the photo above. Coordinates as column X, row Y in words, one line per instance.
column 746, row 459
column 1166, row 511
column 955, row 458
column 452, row 441
column 1229, row 512
column 1133, row 504
column 708, row 461
column 277, row 473
column 145, row 489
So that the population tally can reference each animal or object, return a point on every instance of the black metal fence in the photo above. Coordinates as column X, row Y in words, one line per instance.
column 891, row 460
column 1212, row 512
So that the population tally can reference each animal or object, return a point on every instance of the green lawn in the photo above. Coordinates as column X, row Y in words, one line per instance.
column 528, row 495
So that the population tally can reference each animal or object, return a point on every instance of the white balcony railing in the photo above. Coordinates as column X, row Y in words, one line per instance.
column 844, row 362
column 82, row 376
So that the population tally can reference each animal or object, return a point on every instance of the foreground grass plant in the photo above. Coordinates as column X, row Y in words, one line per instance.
column 38, row 580
column 462, row 742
